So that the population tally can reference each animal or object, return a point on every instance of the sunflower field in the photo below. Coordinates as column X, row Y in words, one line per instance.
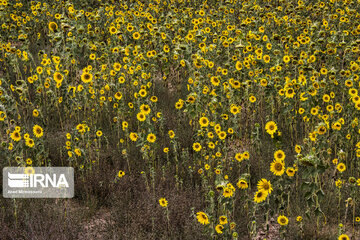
column 184, row 119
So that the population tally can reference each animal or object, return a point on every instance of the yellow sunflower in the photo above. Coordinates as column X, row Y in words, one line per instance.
column 171, row 134
column 228, row 192
column 38, row 131
column 53, row 26
column 277, row 167
column 242, row 184
column 145, row 109
column 219, row 228
column 271, row 127
column 197, row 146
column 223, row 220
column 260, row 196
column 343, row 237
column 136, row 35
column 29, row 142
column 121, row 174
column 265, row 185
column 141, row 116
column 151, row 138
column 279, row 155
column 15, row 135
column 204, row 122
column 163, row 202
column 290, row 171
column 29, row 170
column 86, row 77
column 133, row 136
column 282, row 220
column 202, row 218
column 341, row 167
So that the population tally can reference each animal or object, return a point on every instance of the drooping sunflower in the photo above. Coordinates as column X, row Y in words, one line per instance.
column 38, row 131
column 35, row 113
column 260, row 196
column 223, row 220
column 219, row 228
column 265, row 185
column 202, row 218
column 336, row 126
column 53, row 26
column 228, row 192
column 242, row 184
column 277, row 167
column 282, row 220
column 290, row 171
